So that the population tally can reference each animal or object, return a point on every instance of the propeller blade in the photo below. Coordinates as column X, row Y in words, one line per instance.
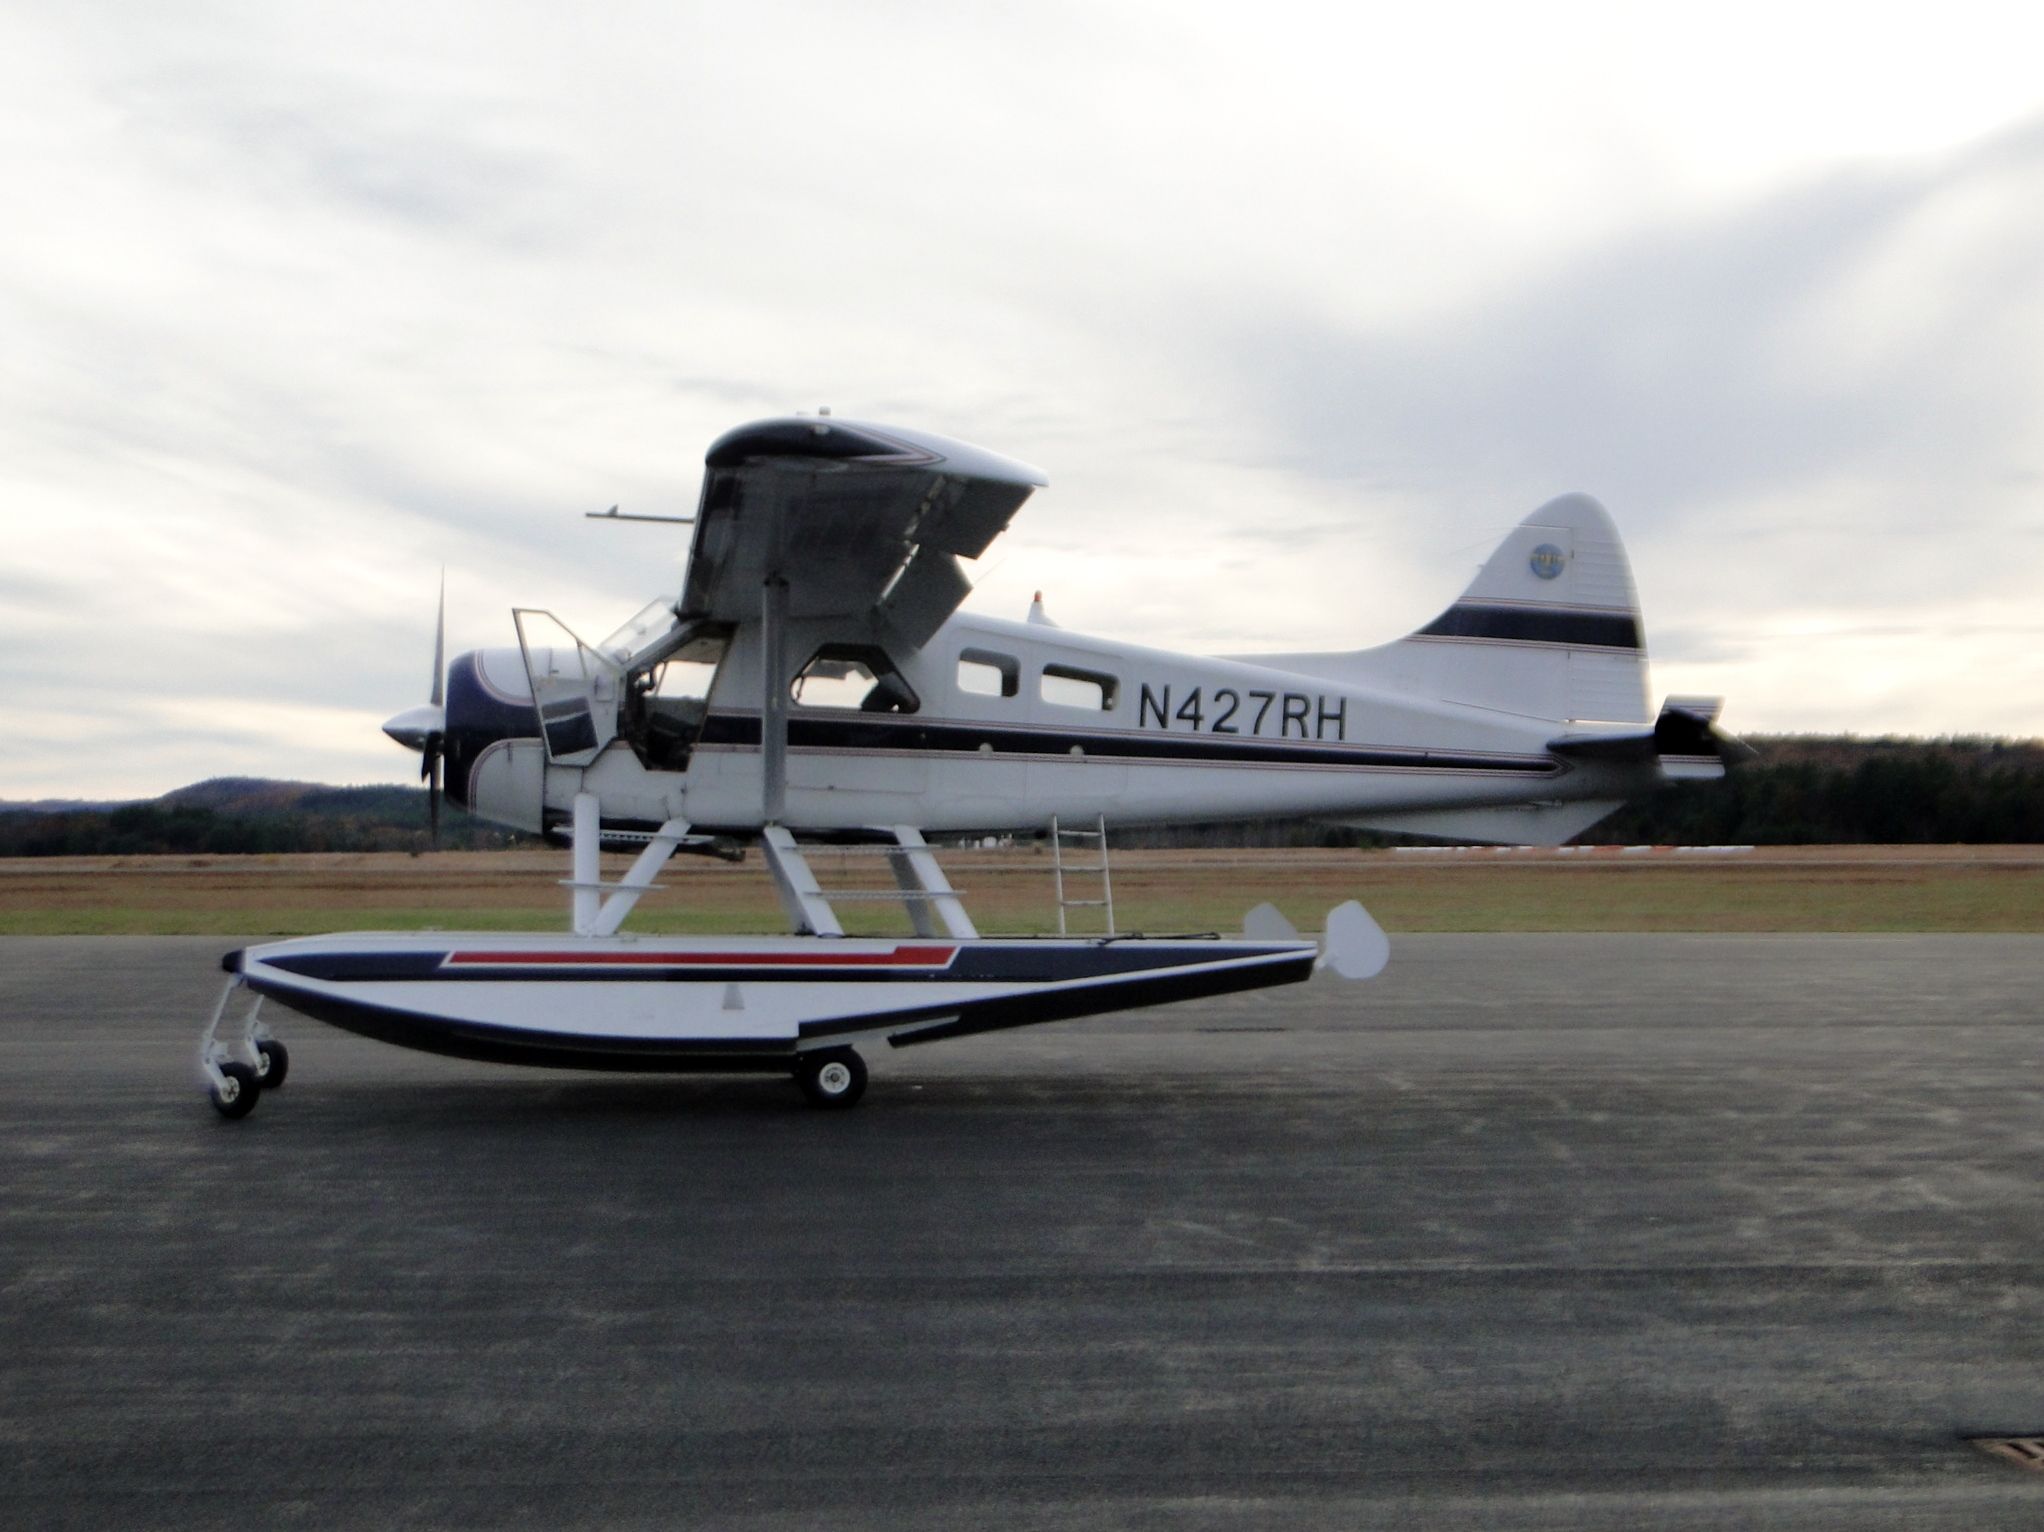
column 423, row 727
column 429, row 767
column 433, row 795
column 440, row 646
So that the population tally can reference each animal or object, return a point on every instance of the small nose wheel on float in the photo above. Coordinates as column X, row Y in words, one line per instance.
column 238, row 1071
column 831, row 1077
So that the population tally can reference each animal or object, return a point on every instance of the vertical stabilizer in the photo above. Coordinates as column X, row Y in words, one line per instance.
column 1550, row 628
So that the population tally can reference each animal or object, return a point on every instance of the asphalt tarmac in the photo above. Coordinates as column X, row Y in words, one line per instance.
column 1533, row 1231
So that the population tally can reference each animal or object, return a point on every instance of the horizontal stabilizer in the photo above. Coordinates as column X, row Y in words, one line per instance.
column 1685, row 740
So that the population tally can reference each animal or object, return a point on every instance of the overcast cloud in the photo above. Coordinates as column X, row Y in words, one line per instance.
column 1298, row 310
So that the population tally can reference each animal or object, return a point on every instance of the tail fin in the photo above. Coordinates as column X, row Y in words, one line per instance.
column 1550, row 626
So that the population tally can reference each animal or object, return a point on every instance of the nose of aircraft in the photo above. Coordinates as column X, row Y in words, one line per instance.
column 415, row 726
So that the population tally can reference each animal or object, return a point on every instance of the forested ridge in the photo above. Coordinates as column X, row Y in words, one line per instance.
column 1801, row 790
column 1812, row 790
column 232, row 815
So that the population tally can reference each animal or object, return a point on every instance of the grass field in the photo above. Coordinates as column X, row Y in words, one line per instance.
column 1906, row 888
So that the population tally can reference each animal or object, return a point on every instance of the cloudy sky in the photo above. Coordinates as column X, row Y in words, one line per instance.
column 1298, row 307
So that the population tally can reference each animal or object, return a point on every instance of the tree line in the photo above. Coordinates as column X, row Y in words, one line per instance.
column 1805, row 790
column 247, row 818
column 1800, row 790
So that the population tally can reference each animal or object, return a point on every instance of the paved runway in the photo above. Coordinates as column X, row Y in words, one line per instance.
column 1539, row 1231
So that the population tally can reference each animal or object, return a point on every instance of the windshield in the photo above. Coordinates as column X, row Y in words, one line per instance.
column 647, row 629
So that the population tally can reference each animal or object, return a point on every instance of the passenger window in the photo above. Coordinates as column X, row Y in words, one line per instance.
column 982, row 673
column 853, row 676
column 1070, row 687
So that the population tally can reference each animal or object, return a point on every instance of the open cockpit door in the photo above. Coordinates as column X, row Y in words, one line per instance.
column 649, row 682
column 575, row 688
column 667, row 692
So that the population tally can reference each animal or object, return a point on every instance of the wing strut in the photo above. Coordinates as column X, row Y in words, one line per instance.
column 773, row 661
column 919, row 885
column 924, row 888
column 773, row 700
column 601, row 907
column 803, row 900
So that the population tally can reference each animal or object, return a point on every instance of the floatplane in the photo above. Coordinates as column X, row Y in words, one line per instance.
column 815, row 682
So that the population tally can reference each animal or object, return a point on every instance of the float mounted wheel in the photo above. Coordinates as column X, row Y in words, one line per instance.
column 832, row 1077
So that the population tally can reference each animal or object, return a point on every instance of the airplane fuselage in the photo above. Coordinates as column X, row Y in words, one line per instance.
column 994, row 725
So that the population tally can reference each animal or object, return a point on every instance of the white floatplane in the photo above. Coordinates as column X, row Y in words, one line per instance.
column 815, row 682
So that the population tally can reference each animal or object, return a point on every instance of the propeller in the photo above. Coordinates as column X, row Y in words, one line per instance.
column 436, row 742
column 429, row 773
column 424, row 728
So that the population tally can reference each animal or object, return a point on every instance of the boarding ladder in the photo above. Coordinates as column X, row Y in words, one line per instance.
column 1097, row 836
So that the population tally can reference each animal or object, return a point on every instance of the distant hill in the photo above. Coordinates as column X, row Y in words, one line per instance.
column 258, row 795
column 245, row 814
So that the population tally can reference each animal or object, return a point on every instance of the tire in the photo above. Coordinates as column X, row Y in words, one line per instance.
column 273, row 1062
column 241, row 1094
column 832, row 1077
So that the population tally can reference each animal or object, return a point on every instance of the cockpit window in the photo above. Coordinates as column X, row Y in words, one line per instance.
column 667, row 695
column 856, row 677
column 689, row 670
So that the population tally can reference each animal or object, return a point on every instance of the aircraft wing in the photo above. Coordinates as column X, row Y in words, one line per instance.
column 857, row 519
